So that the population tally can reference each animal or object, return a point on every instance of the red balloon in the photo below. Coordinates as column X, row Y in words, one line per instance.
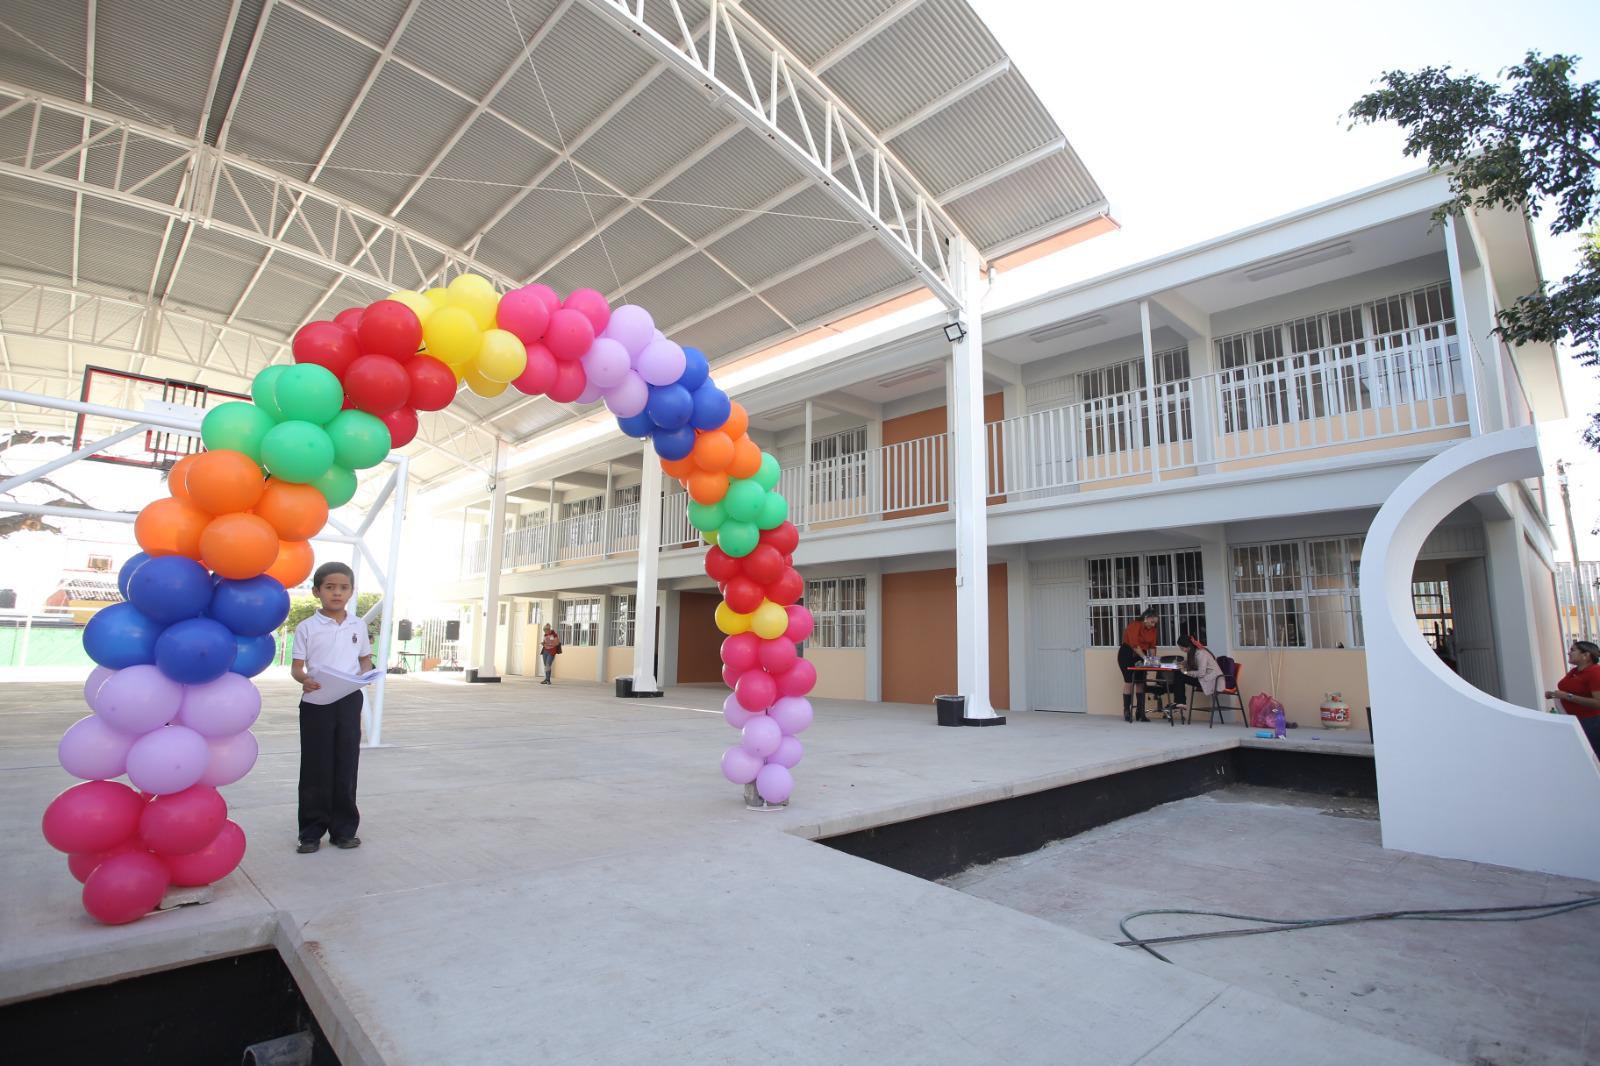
column 82, row 866
column 389, row 327
column 740, row 651
column 570, row 381
column 91, row 817
column 551, row 298
column 777, row 655
column 433, row 385
column 211, row 863
column 125, row 888
column 402, row 426
column 592, row 306
column 763, row 565
column 326, row 345
column 540, row 373
column 377, row 384
column 730, row 676
column 182, row 822
column 756, row 690
column 743, row 595
column 569, row 335
column 785, row 538
column 800, row 623
column 722, row 567
column 350, row 320
column 788, row 589
column 798, row 680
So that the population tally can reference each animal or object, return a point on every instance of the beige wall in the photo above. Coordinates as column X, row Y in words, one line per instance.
column 841, row 672
column 619, row 662
column 576, row 664
column 1547, row 623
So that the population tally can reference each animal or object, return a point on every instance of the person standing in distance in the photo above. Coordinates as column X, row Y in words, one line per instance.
column 549, row 648
column 330, row 729
column 1579, row 689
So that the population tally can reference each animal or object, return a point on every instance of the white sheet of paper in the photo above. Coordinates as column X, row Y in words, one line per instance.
column 338, row 684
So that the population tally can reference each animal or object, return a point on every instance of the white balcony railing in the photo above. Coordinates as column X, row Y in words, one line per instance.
column 1394, row 386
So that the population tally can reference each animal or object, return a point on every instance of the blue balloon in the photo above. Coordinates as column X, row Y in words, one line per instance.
column 250, row 607
column 670, row 406
column 254, row 654
column 695, row 369
column 170, row 589
column 638, row 425
column 135, row 561
column 120, row 636
column 195, row 651
column 711, row 407
column 674, row 443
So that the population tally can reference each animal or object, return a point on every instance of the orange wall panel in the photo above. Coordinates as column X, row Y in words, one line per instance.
column 699, row 640
column 919, row 636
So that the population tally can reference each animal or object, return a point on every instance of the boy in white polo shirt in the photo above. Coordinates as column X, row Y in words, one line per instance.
column 330, row 729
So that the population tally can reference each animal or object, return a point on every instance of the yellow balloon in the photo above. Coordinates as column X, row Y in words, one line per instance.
column 482, row 385
column 476, row 296
column 502, row 356
column 709, row 538
column 452, row 335
column 435, row 297
column 769, row 621
column 730, row 621
column 418, row 303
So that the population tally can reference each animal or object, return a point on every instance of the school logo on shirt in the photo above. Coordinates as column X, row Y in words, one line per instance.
column 352, row 638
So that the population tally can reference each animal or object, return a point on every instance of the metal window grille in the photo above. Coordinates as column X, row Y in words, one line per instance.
column 622, row 621
column 839, row 466
column 839, row 606
column 1120, row 586
column 1115, row 409
column 1298, row 594
column 578, row 622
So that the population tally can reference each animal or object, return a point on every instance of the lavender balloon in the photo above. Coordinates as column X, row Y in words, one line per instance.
column 231, row 758
column 661, row 363
column 138, row 699
column 788, row 754
column 606, row 363
column 739, row 766
column 220, row 708
column 761, row 736
column 591, row 392
column 168, row 760
column 628, row 397
column 792, row 713
column 734, row 713
column 774, row 783
column 631, row 326
column 91, row 688
column 92, row 750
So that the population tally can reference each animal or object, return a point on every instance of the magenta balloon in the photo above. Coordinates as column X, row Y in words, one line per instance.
column 569, row 334
column 739, row 766
column 777, row 655
column 125, row 887
column 734, row 714
column 756, row 690
column 800, row 623
column 592, row 305
column 168, row 760
column 551, row 298
column 628, row 397
column 92, row 750
column 138, row 699
column 789, row 753
column 230, row 759
column 91, row 817
column 211, row 863
column 540, row 373
column 792, row 713
column 183, row 822
column 774, row 783
column 632, row 327
column 661, row 363
column 741, row 651
column 91, row 688
column 606, row 363
column 798, row 680
column 524, row 313
column 222, row 707
column 760, row 736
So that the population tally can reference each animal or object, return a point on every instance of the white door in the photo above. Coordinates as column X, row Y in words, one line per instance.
column 517, row 612
column 1474, row 625
column 1060, row 626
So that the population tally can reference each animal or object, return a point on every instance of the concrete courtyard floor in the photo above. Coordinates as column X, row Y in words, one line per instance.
column 555, row 875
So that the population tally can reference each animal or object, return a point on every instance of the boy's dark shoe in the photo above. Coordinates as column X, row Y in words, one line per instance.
column 308, row 846
column 348, row 843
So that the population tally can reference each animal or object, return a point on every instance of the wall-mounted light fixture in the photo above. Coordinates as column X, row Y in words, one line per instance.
column 954, row 331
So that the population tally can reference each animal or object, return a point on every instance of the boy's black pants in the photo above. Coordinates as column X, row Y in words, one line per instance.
column 330, row 744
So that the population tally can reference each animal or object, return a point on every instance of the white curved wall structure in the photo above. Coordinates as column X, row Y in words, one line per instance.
column 1462, row 774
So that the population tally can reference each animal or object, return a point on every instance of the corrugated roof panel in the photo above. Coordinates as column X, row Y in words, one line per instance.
column 373, row 19
column 583, row 65
column 971, row 123
column 1025, row 201
column 139, row 161
column 548, row 221
column 158, row 56
column 684, row 290
column 631, row 245
column 814, row 29
column 216, row 267
column 741, row 173
column 660, row 18
column 775, row 242
column 37, row 222
column 657, row 128
column 471, row 45
column 843, row 280
column 118, row 245
column 56, row 133
column 733, row 330
column 284, row 294
column 488, row 166
column 55, row 29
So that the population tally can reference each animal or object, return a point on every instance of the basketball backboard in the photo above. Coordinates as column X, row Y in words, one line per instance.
column 156, row 449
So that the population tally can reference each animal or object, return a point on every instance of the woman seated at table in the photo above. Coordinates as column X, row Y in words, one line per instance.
column 1138, row 642
column 1200, row 670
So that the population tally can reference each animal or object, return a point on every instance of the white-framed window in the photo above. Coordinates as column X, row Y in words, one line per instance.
column 578, row 622
column 626, row 496
column 1114, row 409
column 1298, row 593
column 839, row 466
column 839, row 606
column 622, row 621
column 100, row 564
column 1122, row 586
column 535, row 613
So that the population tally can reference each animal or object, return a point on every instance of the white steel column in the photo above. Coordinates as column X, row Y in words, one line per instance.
column 1464, row 337
column 969, row 491
column 802, row 508
column 1149, row 391
column 391, row 578
column 644, row 608
column 874, row 576
column 493, row 556
column 603, row 637
column 668, row 640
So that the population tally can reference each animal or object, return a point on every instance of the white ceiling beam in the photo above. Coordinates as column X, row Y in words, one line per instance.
column 934, row 107
column 865, row 34
column 1004, row 170
column 845, row 403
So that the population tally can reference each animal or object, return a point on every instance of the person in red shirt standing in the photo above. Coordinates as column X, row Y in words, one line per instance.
column 1138, row 641
column 1579, row 690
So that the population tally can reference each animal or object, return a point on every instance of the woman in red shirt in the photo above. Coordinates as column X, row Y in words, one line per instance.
column 1579, row 690
column 1138, row 641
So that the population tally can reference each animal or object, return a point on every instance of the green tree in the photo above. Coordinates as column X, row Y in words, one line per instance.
column 1530, row 142
column 303, row 607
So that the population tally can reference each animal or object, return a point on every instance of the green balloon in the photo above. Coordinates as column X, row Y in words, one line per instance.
column 767, row 476
column 706, row 517
column 738, row 539
column 359, row 440
column 774, row 512
column 296, row 451
column 307, row 392
column 236, row 426
column 338, row 485
column 262, row 391
column 743, row 501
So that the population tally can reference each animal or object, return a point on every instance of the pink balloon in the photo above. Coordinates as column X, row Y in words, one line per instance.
column 739, row 766
column 592, row 306
column 524, row 313
column 551, row 298
column 168, row 760
column 800, row 623
column 569, row 334
column 569, row 383
column 792, row 713
column 222, row 707
column 91, row 688
column 789, row 753
column 798, row 680
column 230, row 758
column 540, row 373
column 606, row 363
column 91, row 817
column 125, row 888
column 777, row 655
column 184, row 821
column 661, row 363
column 211, row 863
column 741, row 651
column 629, row 396
column 756, row 690
column 760, row 736
column 138, row 699
column 774, row 783
column 632, row 327
column 730, row 676
column 82, row 865
column 734, row 714
column 92, row 750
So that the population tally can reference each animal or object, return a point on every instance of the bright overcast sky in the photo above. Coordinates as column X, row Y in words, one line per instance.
column 1198, row 119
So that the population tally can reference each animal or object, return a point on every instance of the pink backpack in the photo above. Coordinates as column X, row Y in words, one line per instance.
column 1262, row 708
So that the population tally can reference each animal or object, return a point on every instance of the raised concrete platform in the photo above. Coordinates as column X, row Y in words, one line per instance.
column 553, row 874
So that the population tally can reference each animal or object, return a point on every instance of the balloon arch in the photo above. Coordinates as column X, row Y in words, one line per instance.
column 172, row 697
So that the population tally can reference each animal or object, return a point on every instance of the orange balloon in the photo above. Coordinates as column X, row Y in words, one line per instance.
column 295, row 560
column 170, row 527
column 746, row 458
column 707, row 487
column 224, row 481
column 238, row 546
column 737, row 424
column 713, row 451
column 297, row 512
column 178, row 476
column 679, row 468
